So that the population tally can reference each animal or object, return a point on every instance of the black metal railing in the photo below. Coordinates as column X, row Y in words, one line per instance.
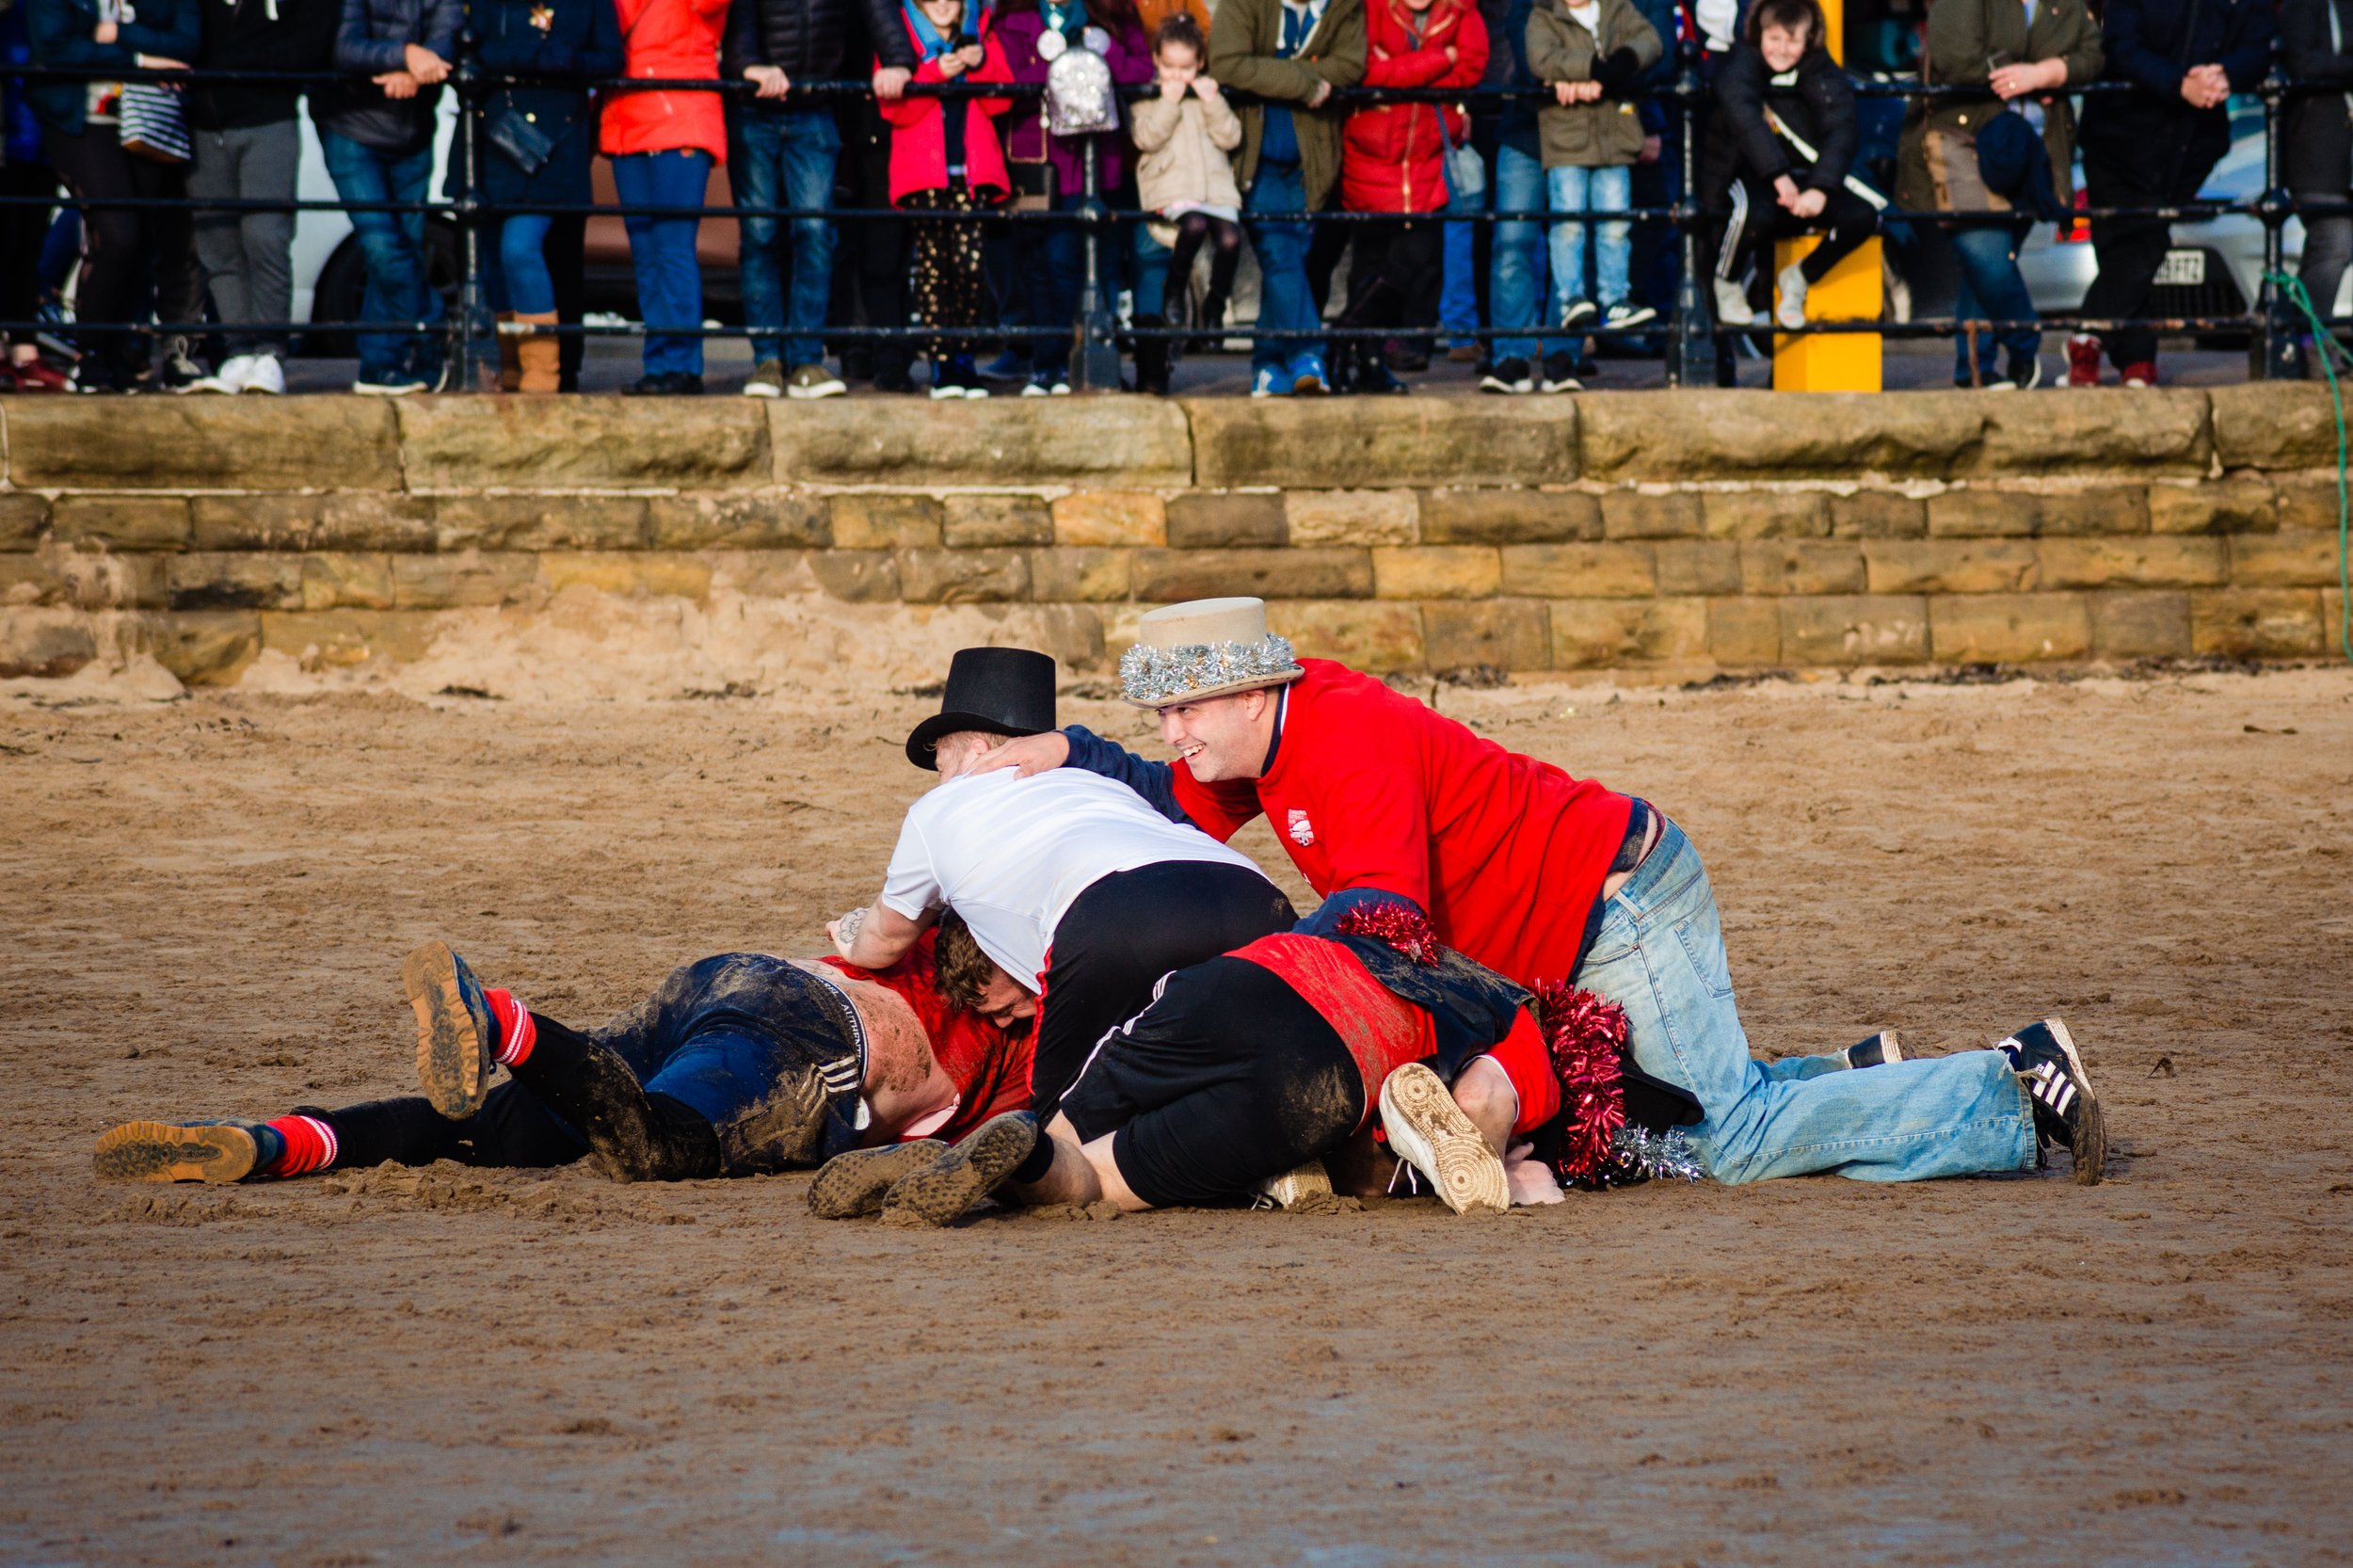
column 1692, row 335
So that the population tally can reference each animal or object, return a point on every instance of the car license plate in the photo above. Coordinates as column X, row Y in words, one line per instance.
column 2183, row 268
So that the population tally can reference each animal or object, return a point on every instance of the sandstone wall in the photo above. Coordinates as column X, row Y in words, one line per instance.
column 1677, row 532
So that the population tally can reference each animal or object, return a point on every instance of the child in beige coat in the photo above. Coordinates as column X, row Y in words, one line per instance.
column 1185, row 139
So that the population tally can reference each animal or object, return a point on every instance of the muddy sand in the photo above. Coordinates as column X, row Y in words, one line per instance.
column 204, row 903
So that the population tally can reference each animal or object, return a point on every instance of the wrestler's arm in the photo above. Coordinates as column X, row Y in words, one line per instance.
column 876, row 936
column 1221, row 811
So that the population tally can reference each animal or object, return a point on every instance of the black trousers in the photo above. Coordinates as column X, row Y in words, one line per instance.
column 1229, row 1077
column 1120, row 937
column 22, row 231
column 2130, row 249
column 1393, row 264
column 137, row 262
column 1746, row 228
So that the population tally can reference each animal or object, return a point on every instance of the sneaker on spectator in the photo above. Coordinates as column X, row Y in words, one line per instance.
column 1732, row 304
column 177, row 373
column 1375, row 380
column 1790, row 312
column 1263, row 385
column 230, row 377
column 400, row 383
column 1307, row 376
column 945, row 383
column 1622, row 316
column 2083, row 361
column 812, row 381
column 2026, row 373
column 1576, row 311
column 264, row 373
column 1561, row 374
column 767, row 379
column 1048, row 383
column 1509, row 377
column 667, row 383
column 2141, row 372
column 1012, row 365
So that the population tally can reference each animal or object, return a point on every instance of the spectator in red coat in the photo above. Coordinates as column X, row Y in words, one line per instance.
column 663, row 146
column 1393, row 160
column 944, row 158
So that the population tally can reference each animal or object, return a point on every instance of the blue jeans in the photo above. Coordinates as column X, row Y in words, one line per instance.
column 1660, row 955
column 520, row 280
column 1054, row 269
column 1991, row 289
column 1284, row 303
column 661, row 249
column 391, row 247
column 1148, row 272
column 1516, row 274
column 785, row 158
column 1582, row 190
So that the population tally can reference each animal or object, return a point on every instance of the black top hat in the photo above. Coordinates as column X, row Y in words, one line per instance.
column 1005, row 691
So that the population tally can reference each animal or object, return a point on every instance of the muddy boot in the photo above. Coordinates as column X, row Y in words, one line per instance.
column 457, row 1036
column 539, row 355
column 951, row 1186
column 182, row 1151
column 1429, row 1132
column 852, row 1185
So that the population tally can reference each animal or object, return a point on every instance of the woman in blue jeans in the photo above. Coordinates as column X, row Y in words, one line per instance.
column 576, row 38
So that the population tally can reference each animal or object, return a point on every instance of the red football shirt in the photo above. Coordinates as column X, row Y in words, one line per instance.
column 990, row 1065
column 1373, row 788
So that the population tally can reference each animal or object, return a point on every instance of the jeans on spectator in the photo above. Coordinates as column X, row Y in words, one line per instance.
column 2327, row 250
column 785, row 158
column 521, row 281
column 1285, row 302
column 1991, row 289
column 662, row 250
column 391, row 247
column 1150, row 264
column 1516, row 290
column 1575, row 189
column 248, row 256
column 1053, row 281
column 1660, row 954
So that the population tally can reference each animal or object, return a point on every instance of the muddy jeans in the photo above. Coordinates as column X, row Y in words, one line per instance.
column 1660, row 955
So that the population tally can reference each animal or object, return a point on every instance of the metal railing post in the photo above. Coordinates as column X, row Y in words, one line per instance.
column 1690, row 348
column 473, row 306
column 2271, row 349
column 1095, row 365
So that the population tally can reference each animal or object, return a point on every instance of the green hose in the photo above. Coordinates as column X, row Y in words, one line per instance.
column 2326, row 345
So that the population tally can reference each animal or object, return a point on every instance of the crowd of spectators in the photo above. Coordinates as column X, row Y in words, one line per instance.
column 1235, row 130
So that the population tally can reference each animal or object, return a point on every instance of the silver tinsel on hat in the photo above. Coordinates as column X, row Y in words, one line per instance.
column 1152, row 675
column 1641, row 1155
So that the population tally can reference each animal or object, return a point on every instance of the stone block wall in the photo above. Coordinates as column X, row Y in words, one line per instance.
column 1674, row 531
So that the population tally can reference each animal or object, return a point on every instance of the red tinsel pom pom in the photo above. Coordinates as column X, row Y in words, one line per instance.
column 1402, row 926
column 1587, row 1037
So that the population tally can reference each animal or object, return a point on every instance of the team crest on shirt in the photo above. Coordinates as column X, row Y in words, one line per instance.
column 1302, row 832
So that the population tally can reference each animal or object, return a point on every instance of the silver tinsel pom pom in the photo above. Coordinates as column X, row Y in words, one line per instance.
column 1646, row 1156
column 1153, row 675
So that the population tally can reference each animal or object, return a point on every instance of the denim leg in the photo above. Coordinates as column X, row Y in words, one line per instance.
column 755, row 158
column 1793, row 1068
column 410, row 290
column 1566, row 190
column 1517, row 271
column 526, row 285
column 359, row 174
column 1989, row 270
column 1150, row 262
column 1613, row 242
column 661, row 249
column 1054, row 296
column 1284, row 304
column 810, row 150
column 1660, row 955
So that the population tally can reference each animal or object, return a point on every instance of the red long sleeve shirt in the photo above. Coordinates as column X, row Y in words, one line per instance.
column 1373, row 788
column 990, row 1065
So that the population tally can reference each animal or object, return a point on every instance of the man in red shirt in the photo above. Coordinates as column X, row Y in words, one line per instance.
column 739, row 1064
column 1546, row 879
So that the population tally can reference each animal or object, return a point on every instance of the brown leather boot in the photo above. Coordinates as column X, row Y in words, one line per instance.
column 510, row 366
column 542, row 352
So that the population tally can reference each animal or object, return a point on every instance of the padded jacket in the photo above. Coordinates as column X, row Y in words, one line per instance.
column 2317, row 143
column 1393, row 155
column 1609, row 131
column 1964, row 37
column 1816, row 101
column 59, row 33
column 373, row 38
column 1243, row 38
column 809, row 41
column 919, row 141
column 674, row 40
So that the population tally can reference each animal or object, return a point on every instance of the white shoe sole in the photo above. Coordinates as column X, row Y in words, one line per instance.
column 1429, row 1132
column 759, row 389
column 1308, row 1180
column 810, row 395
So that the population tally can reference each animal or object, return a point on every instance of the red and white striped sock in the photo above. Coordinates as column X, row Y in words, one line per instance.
column 517, row 1030
column 309, row 1146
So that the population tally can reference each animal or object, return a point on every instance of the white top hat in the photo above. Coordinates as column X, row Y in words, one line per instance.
column 1201, row 648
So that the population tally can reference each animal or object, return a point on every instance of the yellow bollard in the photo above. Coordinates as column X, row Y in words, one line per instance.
column 1837, row 361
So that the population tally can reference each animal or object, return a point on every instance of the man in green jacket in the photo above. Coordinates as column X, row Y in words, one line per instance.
column 1287, row 55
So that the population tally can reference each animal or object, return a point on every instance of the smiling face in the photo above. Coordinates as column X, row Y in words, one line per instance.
column 1220, row 737
column 945, row 15
column 1783, row 47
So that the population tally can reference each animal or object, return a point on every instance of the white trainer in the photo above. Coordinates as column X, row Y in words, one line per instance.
column 264, row 373
column 1790, row 312
column 1429, row 1132
column 1293, row 1187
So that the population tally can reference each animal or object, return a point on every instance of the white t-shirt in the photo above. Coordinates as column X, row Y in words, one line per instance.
column 1009, row 854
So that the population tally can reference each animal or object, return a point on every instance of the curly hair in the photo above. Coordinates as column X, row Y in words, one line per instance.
column 961, row 971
